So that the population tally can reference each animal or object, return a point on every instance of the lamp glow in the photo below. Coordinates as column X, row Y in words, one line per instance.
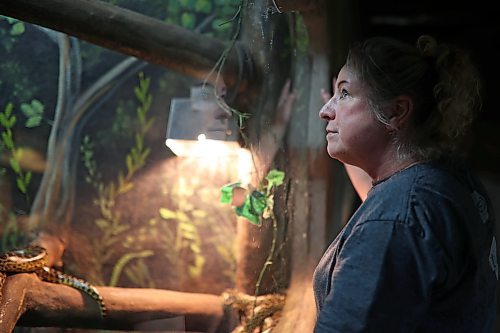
column 201, row 113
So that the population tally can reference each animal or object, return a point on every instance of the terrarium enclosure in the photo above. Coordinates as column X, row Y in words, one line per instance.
column 169, row 155
column 144, row 147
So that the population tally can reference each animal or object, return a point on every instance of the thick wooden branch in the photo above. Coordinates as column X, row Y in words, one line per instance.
column 37, row 303
column 134, row 34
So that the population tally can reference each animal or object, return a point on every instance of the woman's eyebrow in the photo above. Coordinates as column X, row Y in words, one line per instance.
column 341, row 82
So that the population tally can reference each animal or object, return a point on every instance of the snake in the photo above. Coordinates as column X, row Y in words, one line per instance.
column 33, row 259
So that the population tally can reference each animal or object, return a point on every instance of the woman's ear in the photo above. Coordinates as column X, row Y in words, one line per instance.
column 402, row 108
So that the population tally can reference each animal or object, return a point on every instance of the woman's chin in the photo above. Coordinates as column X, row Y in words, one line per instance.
column 333, row 153
column 337, row 154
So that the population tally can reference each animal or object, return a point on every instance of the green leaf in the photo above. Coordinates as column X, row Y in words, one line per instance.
column 102, row 223
column 227, row 192
column 188, row 20
column 275, row 178
column 33, row 121
column 167, row 214
column 130, row 166
column 14, row 164
column 37, row 106
column 21, row 186
column 253, row 207
column 188, row 230
column 27, row 177
column 8, row 109
column 139, row 141
column 17, row 29
column 27, row 110
column 145, row 155
column 7, row 139
column 148, row 124
column 198, row 213
column 11, row 121
column 144, row 84
column 147, row 102
column 33, row 112
column 134, row 154
column 125, row 187
column 3, row 120
column 203, row 6
column 195, row 248
column 139, row 94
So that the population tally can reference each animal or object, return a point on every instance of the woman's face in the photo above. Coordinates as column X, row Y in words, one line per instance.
column 354, row 135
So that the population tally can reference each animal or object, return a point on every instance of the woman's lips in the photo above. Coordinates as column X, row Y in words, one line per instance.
column 330, row 134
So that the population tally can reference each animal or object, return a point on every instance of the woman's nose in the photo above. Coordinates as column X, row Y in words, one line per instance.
column 327, row 112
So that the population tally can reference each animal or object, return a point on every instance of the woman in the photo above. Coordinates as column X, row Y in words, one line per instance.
column 419, row 255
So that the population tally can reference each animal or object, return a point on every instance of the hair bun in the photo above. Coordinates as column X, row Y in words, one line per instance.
column 427, row 46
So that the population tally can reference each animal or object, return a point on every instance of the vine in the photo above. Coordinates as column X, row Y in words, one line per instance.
column 7, row 122
column 219, row 65
column 258, row 205
column 110, row 222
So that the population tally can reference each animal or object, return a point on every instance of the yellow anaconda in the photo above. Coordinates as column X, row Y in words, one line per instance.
column 33, row 259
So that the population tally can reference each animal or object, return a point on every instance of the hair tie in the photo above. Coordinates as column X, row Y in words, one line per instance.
column 427, row 46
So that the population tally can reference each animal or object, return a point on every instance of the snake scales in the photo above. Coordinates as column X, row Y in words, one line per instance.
column 33, row 259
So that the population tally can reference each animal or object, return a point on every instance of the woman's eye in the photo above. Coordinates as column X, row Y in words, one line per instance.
column 343, row 93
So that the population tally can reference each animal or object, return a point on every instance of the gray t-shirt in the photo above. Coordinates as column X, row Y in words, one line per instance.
column 419, row 255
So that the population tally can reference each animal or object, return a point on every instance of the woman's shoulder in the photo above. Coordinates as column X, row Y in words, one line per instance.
column 435, row 180
column 425, row 187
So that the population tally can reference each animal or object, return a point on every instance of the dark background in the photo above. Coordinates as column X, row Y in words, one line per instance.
column 473, row 25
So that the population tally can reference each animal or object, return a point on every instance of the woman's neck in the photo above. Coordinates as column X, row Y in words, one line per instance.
column 386, row 170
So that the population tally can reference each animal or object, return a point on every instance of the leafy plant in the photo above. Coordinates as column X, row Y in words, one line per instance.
column 13, row 29
column 7, row 122
column 12, row 236
column 33, row 112
column 138, row 272
column 191, row 13
column 187, row 236
column 16, row 27
column 258, row 205
column 93, row 177
column 135, row 274
column 202, row 225
column 110, row 223
column 154, row 232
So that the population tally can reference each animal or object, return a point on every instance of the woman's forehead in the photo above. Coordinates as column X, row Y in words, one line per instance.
column 346, row 75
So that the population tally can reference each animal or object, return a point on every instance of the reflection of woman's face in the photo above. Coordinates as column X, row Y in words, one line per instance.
column 213, row 118
column 354, row 135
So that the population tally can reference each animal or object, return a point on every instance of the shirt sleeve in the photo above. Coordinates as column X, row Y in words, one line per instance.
column 382, row 279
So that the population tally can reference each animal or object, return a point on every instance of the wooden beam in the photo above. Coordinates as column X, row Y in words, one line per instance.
column 37, row 303
column 134, row 34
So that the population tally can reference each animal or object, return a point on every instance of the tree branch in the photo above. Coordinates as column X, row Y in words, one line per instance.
column 38, row 303
column 135, row 34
